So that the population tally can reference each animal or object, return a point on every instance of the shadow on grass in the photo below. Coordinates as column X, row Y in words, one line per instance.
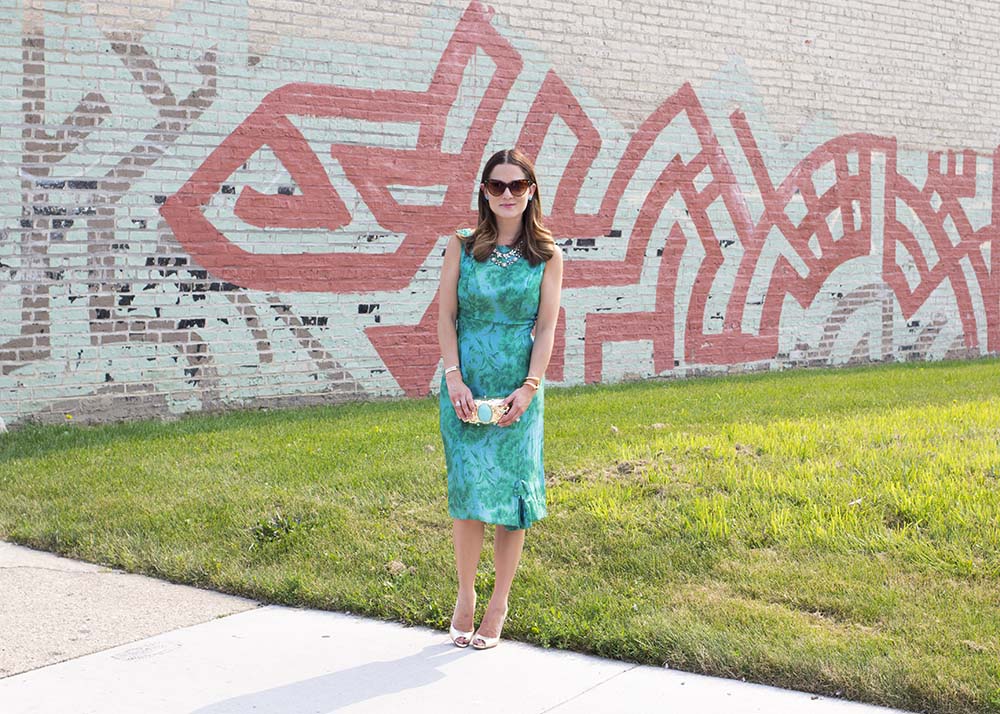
column 725, row 399
column 32, row 440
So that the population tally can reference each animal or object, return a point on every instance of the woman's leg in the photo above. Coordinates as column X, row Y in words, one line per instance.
column 468, row 537
column 507, row 547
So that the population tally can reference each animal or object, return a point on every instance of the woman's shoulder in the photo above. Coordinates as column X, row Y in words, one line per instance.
column 460, row 242
column 557, row 252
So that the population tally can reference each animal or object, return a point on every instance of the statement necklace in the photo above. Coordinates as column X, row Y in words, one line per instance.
column 504, row 260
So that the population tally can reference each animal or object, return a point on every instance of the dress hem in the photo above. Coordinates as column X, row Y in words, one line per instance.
column 526, row 523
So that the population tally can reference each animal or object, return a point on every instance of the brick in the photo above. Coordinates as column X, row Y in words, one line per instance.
column 113, row 126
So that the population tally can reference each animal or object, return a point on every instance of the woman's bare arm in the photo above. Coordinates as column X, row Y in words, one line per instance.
column 458, row 392
column 548, row 314
column 448, row 303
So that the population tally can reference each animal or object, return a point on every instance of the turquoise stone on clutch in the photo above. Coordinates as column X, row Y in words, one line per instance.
column 485, row 413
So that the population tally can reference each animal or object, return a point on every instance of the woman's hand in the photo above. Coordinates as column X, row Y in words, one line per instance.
column 517, row 404
column 460, row 395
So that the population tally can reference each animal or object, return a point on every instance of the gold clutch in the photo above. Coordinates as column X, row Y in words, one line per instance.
column 487, row 411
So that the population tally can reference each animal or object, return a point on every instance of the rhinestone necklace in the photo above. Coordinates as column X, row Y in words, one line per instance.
column 505, row 260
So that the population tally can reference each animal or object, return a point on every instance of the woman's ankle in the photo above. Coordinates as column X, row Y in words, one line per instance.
column 498, row 603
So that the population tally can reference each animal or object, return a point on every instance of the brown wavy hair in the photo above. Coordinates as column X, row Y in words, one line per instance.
column 534, row 240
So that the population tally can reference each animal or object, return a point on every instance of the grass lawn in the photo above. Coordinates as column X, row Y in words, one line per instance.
column 831, row 531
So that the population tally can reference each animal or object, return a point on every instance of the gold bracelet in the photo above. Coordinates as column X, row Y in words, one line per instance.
column 530, row 384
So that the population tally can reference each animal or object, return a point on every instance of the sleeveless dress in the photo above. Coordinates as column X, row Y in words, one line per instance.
column 495, row 474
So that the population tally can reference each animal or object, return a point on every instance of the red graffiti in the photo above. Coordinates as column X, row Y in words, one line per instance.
column 372, row 170
column 946, row 189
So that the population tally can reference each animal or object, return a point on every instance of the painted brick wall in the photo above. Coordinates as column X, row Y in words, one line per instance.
column 207, row 205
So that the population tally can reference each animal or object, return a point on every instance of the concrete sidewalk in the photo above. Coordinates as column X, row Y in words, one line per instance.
column 81, row 638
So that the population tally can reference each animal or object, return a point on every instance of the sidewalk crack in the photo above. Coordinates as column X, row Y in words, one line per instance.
column 590, row 689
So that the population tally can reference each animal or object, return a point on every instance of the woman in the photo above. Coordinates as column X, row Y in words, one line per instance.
column 499, row 302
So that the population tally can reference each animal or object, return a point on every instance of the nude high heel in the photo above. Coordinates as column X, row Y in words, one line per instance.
column 482, row 642
column 456, row 634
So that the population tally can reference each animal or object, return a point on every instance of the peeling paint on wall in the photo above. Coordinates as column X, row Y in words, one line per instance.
column 192, row 226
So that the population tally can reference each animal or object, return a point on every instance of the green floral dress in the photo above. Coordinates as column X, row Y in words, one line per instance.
column 495, row 473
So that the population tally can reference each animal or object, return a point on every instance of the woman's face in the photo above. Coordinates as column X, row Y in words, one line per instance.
column 507, row 205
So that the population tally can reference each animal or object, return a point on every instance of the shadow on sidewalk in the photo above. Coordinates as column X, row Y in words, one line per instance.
column 349, row 686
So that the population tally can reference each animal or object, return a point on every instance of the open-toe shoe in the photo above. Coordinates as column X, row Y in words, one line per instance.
column 458, row 637
column 482, row 642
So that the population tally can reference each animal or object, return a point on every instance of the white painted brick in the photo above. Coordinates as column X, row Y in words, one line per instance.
column 922, row 75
